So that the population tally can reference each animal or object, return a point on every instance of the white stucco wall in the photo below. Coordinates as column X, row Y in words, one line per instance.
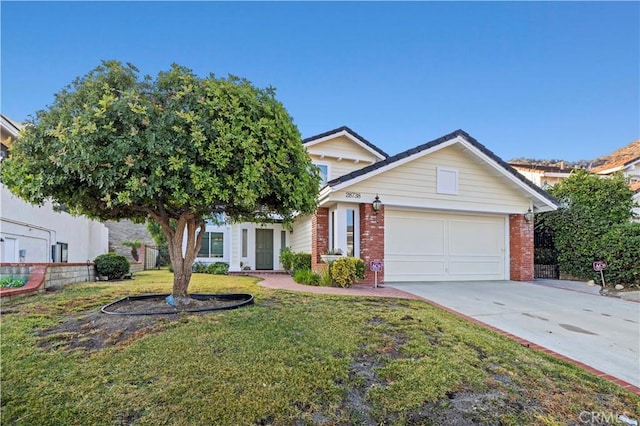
column 35, row 229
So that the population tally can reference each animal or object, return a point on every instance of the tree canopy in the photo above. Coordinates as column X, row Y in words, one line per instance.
column 174, row 149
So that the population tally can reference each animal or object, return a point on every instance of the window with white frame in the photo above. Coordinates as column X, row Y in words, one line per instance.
column 447, row 181
column 324, row 172
column 212, row 245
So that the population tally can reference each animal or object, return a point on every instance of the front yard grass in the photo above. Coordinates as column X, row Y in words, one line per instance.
column 289, row 359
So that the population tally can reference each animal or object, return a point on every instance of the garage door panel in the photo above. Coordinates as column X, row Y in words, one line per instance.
column 414, row 267
column 415, row 235
column 428, row 246
column 475, row 267
column 476, row 238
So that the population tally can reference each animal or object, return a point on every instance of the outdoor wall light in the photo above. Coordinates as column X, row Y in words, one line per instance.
column 377, row 204
column 528, row 216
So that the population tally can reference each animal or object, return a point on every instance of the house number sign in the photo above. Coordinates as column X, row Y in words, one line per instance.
column 352, row 194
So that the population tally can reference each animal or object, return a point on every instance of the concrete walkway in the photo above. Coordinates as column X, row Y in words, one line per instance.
column 569, row 320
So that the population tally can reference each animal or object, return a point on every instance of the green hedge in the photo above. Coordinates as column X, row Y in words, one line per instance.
column 292, row 262
column 112, row 265
column 620, row 249
column 217, row 268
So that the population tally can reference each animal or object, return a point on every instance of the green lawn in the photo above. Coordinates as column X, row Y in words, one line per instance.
column 290, row 359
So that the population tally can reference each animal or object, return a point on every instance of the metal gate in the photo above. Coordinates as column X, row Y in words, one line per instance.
column 545, row 262
column 150, row 258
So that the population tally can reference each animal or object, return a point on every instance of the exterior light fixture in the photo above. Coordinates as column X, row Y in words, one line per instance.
column 377, row 204
column 528, row 216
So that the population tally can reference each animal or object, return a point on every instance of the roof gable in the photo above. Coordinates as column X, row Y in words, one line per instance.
column 542, row 200
column 350, row 135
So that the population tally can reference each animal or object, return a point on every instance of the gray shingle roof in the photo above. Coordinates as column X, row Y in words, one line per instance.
column 434, row 143
column 352, row 133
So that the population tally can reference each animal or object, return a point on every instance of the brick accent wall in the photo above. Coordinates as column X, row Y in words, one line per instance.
column 319, row 237
column 371, row 240
column 520, row 248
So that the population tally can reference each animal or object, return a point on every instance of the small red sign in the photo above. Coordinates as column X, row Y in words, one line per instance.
column 599, row 265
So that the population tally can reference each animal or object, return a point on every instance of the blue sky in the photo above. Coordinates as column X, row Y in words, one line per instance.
column 527, row 79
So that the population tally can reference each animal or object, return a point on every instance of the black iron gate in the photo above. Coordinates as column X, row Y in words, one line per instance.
column 545, row 262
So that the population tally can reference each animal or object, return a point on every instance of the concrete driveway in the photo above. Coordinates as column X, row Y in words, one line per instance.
column 599, row 331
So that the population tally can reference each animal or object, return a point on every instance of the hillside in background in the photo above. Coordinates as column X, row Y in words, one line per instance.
column 619, row 156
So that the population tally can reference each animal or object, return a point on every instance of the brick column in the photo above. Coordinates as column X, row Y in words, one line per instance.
column 520, row 248
column 319, row 237
column 371, row 240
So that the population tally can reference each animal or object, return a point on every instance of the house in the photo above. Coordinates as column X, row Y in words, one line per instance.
column 543, row 176
column 32, row 234
column 625, row 160
column 449, row 209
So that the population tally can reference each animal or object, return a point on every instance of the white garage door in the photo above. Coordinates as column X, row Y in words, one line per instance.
column 422, row 246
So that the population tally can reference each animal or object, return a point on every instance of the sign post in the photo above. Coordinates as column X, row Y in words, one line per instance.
column 375, row 266
column 600, row 265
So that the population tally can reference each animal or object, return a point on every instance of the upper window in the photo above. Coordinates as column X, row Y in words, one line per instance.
column 212, row 245
column 447, row 181
column 324, row 173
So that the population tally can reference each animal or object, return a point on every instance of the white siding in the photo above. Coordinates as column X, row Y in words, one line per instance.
column 342, row 154
column 35, row 229
column 413, row 184
column 300, row 238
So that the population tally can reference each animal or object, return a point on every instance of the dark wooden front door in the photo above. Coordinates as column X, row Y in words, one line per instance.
column 264, row 249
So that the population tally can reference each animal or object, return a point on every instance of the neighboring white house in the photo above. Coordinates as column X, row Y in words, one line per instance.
column 543, row 176
column 33, row 234
column 450, row 210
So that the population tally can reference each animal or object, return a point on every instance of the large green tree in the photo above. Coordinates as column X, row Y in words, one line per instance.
column 175, row 149
column 592, row 208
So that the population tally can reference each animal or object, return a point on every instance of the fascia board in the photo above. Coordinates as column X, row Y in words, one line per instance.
column 348, row 136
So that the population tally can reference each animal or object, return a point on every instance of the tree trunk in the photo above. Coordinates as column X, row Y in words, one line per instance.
column 182, row 255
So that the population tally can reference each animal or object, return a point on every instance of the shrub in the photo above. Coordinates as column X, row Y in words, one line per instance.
column 306, row 276
column 286, row 259
column 619, row 248
column 10, row 282
column 301, row 261
column 112, row 265
column 199, row 268
column 325, row 277
column 345, row 271
column 218, row 268
column 360, row 268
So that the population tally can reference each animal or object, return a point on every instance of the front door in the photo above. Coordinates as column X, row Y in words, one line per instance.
column 264, row 248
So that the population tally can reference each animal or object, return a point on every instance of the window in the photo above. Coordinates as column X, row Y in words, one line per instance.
column 351, row 216
column 212, row 245
column 283, row 239
column 333, row 230
column 60, row 253
column 447, row 181
column 245, row 242
column 324, row 173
